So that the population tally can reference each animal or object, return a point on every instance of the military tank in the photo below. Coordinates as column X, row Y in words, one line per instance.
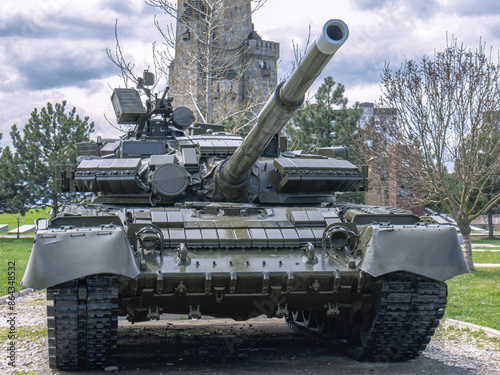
column 191, row 220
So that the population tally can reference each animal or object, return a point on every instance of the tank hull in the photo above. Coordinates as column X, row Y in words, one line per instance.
column 241, row 261
column 225, row 259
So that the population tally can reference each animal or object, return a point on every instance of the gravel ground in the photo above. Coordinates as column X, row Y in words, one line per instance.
column 222, row 346
column 31, row 346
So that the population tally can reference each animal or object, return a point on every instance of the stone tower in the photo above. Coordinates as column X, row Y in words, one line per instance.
column 222, row 66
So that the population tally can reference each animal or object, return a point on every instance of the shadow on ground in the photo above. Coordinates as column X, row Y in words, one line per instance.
column 255, row 347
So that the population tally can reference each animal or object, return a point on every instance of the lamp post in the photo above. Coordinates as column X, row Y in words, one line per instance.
column 18, row 221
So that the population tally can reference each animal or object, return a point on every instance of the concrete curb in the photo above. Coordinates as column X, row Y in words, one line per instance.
column 5, row 299
column 473, row 327
column 486, row 265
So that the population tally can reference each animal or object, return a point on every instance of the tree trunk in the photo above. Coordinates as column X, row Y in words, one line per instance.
column 468, row 248
column 490, row 225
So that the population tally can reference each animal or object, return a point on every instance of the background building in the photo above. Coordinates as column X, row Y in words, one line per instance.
column 222, row 66
column 394, row 167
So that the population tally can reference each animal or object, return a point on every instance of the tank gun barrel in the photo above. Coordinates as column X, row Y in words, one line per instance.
column 287, row 98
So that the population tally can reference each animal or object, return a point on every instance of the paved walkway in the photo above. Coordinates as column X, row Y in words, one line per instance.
column 485, row 245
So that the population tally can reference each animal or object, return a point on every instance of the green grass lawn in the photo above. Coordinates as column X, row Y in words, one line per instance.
column 486, row 256
column 475, row 298
column 29, row 218
column 485, row 241
column 13, row 250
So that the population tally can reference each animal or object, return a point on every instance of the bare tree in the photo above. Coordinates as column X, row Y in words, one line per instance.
column 207, row 58
column 394, row 171
column 447, row 109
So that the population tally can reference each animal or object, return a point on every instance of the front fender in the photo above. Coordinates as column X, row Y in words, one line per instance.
column 432, row 251
column 60, row 255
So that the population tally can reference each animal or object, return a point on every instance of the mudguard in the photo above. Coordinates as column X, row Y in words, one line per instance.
column 432, row 251
column 63, row 254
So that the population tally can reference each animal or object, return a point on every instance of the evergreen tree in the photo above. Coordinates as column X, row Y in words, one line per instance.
column 325, row 122
column 239, row 124
column 13, row 192
column 48, row 139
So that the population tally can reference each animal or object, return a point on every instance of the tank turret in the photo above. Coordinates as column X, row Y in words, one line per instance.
column 168, row 158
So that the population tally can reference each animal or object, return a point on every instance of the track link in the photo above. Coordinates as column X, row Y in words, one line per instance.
column 406, row 313
column 82, row 323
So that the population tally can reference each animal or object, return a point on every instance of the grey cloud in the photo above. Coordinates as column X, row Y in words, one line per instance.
column 424, row 8
column 15, row 24
column 372, row 4
column 351, row 72
column 39, row 24
column 420, row 9
column 120, row 7
column 19, row 26
column 494, row 32
column 84, row 29
column 47, row 71
column 66, row 27
column 125, row 8
column 473, row 8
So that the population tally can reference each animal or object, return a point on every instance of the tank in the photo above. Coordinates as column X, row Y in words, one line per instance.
column 188, row 219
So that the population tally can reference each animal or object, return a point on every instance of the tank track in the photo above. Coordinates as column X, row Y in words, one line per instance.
column 83, row 324
column 406, row 314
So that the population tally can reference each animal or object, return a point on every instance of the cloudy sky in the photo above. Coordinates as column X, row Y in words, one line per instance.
column 56, row 49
